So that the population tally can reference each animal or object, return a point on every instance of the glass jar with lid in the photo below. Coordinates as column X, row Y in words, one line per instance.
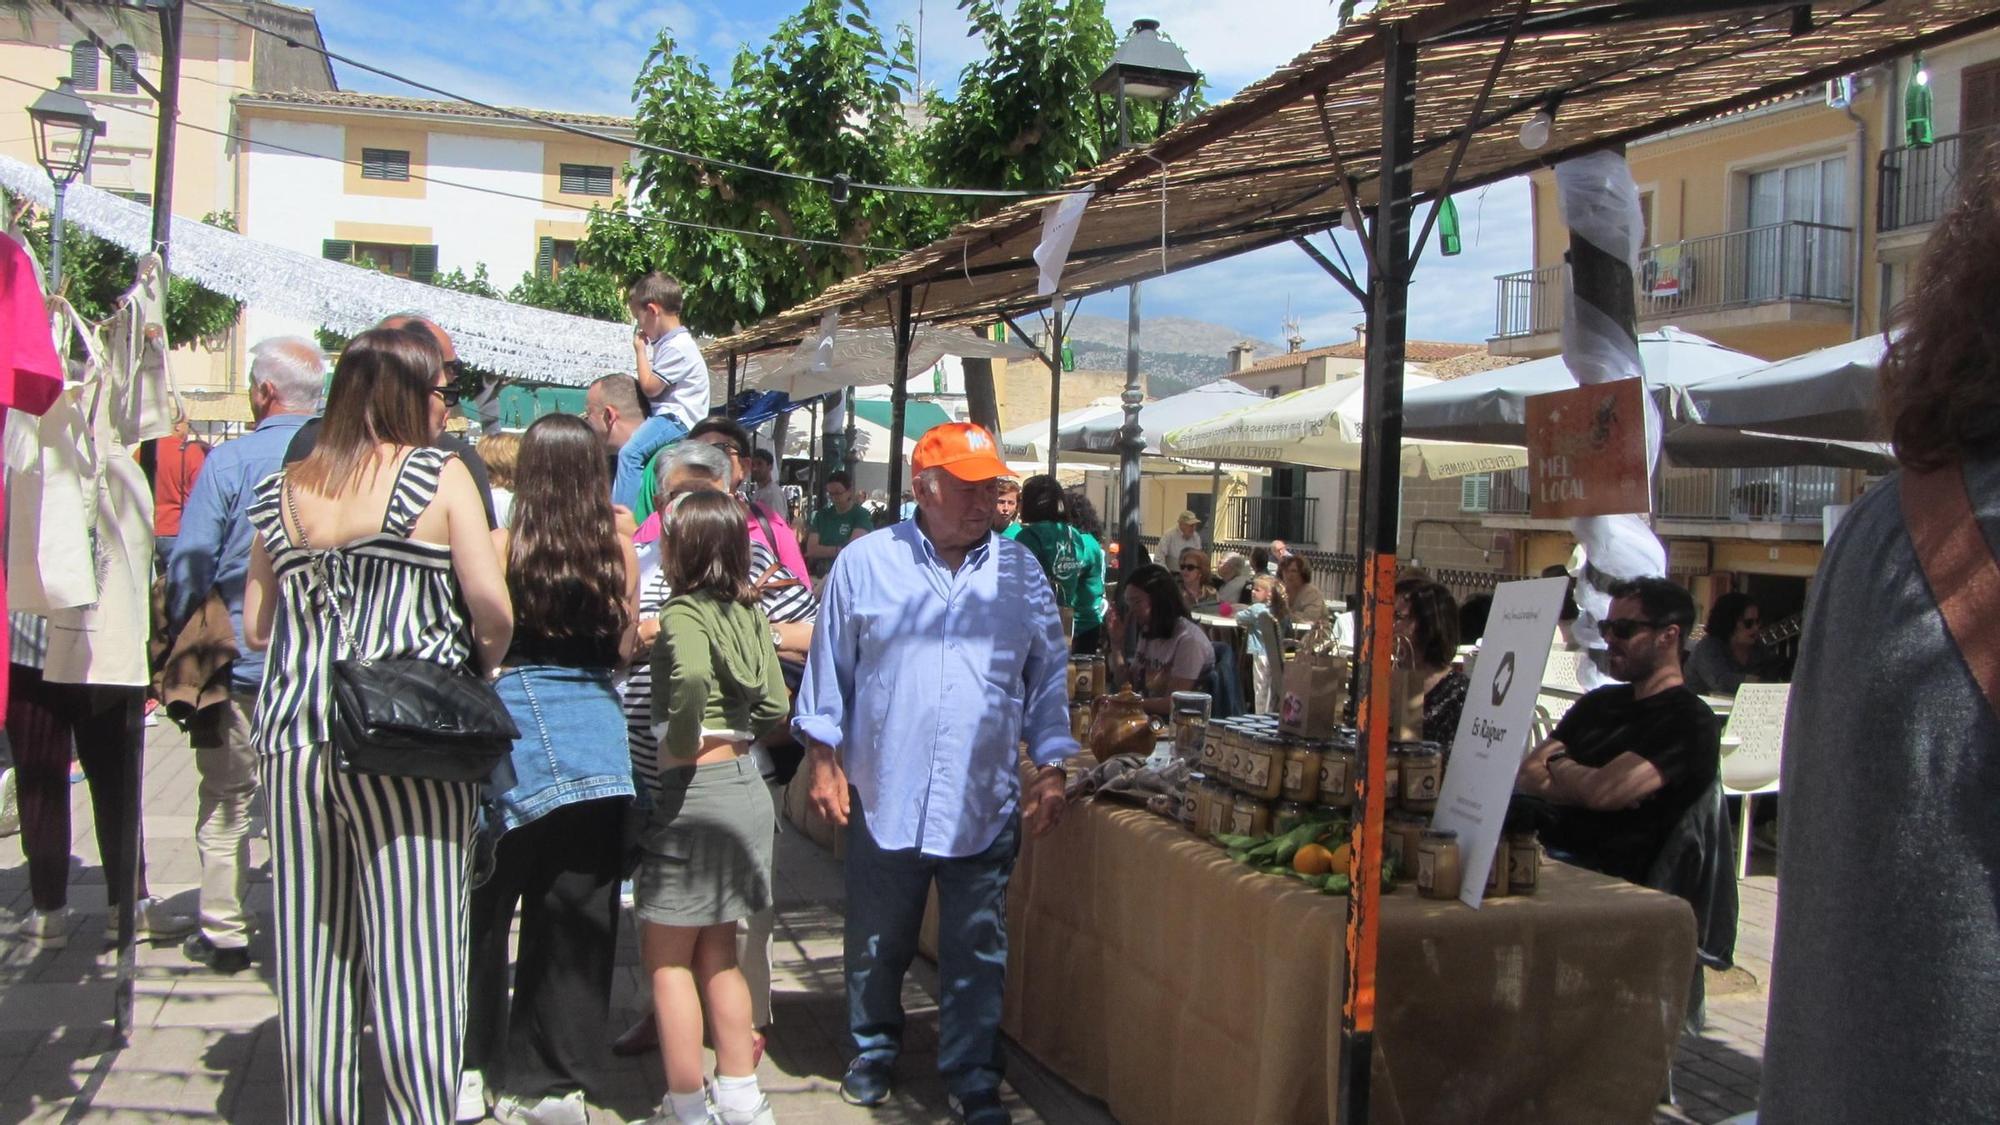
column 1437, row 864
column 1336, row 776
column 1190, row 811
column 1302, row 766
column 1289, row 815
column 1524, row 862
column 1263, row 772
column 1190, row 723
column 1402, row 832
column 1421, row 769
column 1250, row 816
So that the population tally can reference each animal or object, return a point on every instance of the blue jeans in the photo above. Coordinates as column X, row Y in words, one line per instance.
column 653, row 435
column 885, row 907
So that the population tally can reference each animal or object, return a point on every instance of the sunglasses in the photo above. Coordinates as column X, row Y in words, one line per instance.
column 447, row 393
column 1185, row 567
column 455, row 368
column 1626, row 627
column 1748, row 623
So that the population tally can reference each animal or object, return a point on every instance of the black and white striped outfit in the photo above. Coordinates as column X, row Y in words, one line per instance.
column 369, row 873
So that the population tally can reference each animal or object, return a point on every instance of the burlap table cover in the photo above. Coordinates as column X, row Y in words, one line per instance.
column 1151, row 972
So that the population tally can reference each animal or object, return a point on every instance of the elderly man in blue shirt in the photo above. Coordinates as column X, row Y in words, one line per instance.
column 938, row 653
column 287, row 377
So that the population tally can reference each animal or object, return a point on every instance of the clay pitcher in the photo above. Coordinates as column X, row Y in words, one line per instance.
column 1121, row 726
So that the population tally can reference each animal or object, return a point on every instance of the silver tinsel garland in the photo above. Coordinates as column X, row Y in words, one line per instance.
column 514, row 341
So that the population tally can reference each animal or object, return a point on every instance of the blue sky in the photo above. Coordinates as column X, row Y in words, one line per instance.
column 583, row 55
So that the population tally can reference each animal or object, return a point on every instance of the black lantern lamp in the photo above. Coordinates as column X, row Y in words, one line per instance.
column 1146, row 67
column 65, row 132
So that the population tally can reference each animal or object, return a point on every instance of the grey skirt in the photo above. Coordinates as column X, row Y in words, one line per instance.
column 705, row 857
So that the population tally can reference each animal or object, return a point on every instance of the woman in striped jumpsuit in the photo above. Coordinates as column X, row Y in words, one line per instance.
column 374, row 546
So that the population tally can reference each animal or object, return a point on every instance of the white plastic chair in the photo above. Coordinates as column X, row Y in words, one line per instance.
column 1753, row 744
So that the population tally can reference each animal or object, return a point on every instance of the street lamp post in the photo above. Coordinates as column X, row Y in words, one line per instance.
column 63, row 121
column 1146, row 67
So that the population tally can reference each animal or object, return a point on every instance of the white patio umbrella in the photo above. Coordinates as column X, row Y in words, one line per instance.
column 1321, row 428
column 1026, row 447
column 1100, row 434
column 1829, row 393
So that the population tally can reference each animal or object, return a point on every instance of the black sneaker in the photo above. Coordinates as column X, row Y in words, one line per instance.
column 982, row 1108
column 866, row 1083
column 227, row 960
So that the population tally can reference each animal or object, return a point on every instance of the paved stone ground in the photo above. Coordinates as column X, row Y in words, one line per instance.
column 205, row 1046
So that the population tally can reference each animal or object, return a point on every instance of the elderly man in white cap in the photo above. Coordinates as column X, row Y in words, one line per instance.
column 1186, row 535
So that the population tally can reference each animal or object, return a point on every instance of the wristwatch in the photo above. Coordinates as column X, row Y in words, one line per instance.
column 777, row 640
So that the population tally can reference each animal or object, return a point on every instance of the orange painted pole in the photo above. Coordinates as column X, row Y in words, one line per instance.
column 1381, row 481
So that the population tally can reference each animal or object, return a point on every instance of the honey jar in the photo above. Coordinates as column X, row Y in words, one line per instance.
column 1086, row 678
column 1289, row 815
column 1524, row 862
column 1302, row 766
column 1250, row 816
column 1421, row 766
column 1263, row 772
column 1437, row 864
column 1191, row 800
column 1402, row 832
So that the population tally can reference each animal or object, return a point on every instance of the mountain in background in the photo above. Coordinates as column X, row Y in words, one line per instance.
column 1175, row 352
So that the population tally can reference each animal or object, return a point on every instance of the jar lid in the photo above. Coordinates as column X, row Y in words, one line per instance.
column 1440, row 834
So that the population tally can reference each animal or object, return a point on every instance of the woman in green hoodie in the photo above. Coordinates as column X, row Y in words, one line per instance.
column 706, row 859
column 1072, row 560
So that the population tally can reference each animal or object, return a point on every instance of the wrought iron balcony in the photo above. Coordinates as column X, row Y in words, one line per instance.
column 1795, row 494
column 1789, row 261
column 1917, row 182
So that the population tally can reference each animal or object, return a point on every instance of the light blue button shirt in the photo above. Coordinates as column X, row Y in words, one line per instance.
column 926, row 682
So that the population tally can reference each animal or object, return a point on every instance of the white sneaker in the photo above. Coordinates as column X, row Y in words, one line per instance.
column 471, row 1097
column 48, row 929
column 761, row 1115
column 565, row 1110
column 153, row 921
column 10, row 806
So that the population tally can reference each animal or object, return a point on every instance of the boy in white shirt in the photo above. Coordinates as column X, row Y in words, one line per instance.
column 673, row 378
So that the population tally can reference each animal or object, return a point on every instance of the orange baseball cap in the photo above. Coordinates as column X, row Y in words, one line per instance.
column 962, row 449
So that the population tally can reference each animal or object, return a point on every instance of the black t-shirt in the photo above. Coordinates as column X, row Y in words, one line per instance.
column 1672, row 729
column 308, row 437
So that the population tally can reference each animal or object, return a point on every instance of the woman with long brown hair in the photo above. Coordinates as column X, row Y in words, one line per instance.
column 706, row 852
column 574, row 581
column 375, row 547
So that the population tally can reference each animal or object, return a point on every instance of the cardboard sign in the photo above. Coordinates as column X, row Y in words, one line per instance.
column 1587, row 451
column 1494, row 728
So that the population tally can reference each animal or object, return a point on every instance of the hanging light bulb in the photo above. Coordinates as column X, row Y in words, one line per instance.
column 1536, row 130
column 1348, row 222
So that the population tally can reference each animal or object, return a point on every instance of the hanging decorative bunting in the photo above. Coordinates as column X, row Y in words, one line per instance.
column 1059, row 222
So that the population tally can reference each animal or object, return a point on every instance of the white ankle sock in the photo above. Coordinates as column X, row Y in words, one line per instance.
column 689, row 1109
column 740, row 1095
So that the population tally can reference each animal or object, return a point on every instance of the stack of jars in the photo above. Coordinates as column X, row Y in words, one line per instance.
column 1086, row 683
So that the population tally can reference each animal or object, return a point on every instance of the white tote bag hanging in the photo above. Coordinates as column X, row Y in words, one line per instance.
column 52, row 476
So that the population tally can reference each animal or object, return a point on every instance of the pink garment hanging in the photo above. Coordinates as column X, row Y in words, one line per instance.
column 31, row 373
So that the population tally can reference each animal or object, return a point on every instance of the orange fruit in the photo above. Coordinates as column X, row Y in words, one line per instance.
column 1340, row 856
column 1312, row 859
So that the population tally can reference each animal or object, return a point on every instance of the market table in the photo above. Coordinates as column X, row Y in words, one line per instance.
column 1149, row 970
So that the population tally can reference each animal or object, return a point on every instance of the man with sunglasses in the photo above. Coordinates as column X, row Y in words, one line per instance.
column 444, row 399
column 1628, row 760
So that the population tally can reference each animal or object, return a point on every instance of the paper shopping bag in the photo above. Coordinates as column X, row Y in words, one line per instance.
column 1315, row 691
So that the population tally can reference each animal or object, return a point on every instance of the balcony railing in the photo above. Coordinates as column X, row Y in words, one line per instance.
column 1290, row 518
column 1784, row 495
column 1789, row 261
column 1917, row 182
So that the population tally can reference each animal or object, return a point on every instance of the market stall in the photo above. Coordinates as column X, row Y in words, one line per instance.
column 1150, row 970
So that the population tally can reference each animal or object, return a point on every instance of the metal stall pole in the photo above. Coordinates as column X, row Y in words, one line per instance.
column 903, row 324
column 1131, row 440
column 1381, row 444
column 1055, row 375
column 729, row 407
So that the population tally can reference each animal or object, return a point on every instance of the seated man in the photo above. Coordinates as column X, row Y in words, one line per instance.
column 1627, row 761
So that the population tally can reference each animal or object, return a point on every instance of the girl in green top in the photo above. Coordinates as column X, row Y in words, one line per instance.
column 706, row 859
column 1073, row 560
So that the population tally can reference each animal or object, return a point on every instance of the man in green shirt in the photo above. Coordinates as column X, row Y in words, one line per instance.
column 836, row 526
column 1073, row 560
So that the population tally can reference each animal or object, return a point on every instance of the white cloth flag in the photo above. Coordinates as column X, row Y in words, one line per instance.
column 1059, row 222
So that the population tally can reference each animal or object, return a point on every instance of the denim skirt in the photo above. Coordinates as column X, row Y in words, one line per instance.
column 705, row 856
column 573, row 745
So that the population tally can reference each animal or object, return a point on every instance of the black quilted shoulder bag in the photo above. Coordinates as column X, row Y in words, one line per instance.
column 407, row 716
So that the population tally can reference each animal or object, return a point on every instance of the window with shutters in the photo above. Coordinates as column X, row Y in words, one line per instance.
column 586, row 179
column 385, row 164
column 554, row 256
column 124, row 69
column 83, row 65
column 1475, row 492
column 418, row 262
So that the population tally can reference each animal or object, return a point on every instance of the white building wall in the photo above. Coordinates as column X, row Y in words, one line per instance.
column 297, row 201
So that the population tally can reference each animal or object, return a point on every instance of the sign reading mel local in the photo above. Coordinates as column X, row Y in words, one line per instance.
column 1494, row 728
column 1587, row 451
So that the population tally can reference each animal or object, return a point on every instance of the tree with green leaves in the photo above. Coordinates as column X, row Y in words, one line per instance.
column 97, row 272
column 829, row 97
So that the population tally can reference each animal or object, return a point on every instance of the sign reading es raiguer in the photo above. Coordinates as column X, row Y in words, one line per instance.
column 1587, row 451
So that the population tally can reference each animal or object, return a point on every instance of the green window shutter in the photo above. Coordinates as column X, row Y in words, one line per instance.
column 385, row 164
column 83, row 65
column 423, row 263
column 1475, row 492
column 587, row 179
column 545, row 257
column 339, row 249
column 124, row 69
